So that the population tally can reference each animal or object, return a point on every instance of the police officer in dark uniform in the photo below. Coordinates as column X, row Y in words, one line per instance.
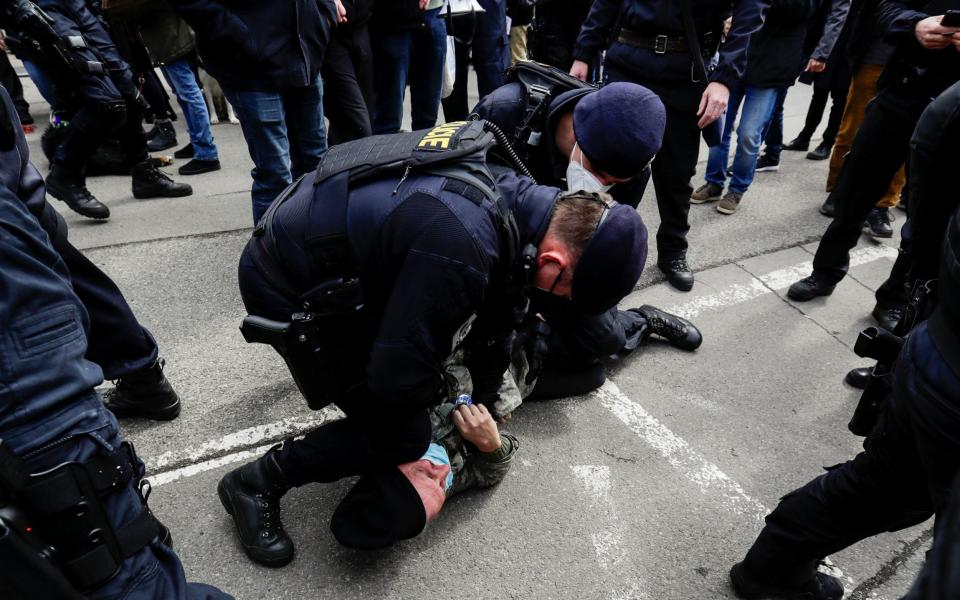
column 379, row 265
column 912, row 454
column 597, row 140
column 96, row 85
column 67, row 481
column 118, row 343
column 649, row 45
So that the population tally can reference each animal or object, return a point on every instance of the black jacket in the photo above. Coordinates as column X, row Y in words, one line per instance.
column 396, row 14
column 663, row 17
column 775, row 54
column 262, row 46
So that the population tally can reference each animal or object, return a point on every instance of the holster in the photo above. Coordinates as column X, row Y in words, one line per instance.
column 58, row 516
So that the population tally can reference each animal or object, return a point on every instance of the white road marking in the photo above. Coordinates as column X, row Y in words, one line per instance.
column 775, row 280
column 608, row 542
column 207, row 465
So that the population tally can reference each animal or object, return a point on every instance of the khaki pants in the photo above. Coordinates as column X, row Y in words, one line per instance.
column 863, row 87
column 518, row 44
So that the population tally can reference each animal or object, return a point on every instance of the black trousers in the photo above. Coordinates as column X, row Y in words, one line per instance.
column 818, row 105
column 901, row 479
column 348, row 85
column 116, row 340
column 372, row 435
column 879, row 149
column 676, row 162
column 10, row 81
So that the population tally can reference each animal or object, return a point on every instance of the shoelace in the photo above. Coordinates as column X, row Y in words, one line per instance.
column 661, row 326
column 678, row 264
column 266, row 501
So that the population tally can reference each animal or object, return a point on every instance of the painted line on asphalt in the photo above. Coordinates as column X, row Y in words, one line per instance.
column 608, row 542
column 774, row 280
column 690, row 463
column 172, row 475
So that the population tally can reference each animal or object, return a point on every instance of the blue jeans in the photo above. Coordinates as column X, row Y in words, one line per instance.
column 758, row 104
column 413, row 56
column 181, row 78
column 285, row 135
column 773, row 134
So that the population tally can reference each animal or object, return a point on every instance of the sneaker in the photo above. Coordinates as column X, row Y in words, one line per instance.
column 706, row 193
column 878, row 223
column 198, row 166
column 145, row 393
column 767, row 164
column 820, row 586
column 729, row 203
column 185, row 152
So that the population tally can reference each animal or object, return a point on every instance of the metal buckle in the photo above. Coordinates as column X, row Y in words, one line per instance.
column 660, row 44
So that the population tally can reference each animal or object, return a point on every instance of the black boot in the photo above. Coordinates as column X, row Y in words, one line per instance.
column 829, row 207
column 70, row 186
column 251, row 495
column 680, row 332
column 150, row 182
column 163, row 137
column 144, row 393
column 821, row 152
column 678, row 272
column 810, row 287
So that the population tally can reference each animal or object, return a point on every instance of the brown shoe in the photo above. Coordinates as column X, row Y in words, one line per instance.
column 729, row 203
column 707, row 192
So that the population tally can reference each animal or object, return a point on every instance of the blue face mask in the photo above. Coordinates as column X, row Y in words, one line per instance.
column 437, row 454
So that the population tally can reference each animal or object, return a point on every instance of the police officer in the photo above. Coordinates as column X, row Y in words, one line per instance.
column 396, row 251
column 649, row 44
column 118, row 343
column 912, row 453
column 84, row 499
column 595, row 140
column 102, row 97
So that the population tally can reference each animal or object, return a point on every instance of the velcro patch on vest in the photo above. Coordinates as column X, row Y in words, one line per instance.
column 442, row 137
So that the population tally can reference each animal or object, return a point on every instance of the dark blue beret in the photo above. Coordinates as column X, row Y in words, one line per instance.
column 620, row 127
column 612, row 262
column 382, row 508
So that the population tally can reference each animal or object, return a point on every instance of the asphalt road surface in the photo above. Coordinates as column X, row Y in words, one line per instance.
column 649, row 488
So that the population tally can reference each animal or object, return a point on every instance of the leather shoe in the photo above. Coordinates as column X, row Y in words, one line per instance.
column 821, row 152
column 198, row 166
column 820, row 586
column 680, row 332
column 858, row 377
column 678, row 273
column 878, row 223
column 251, row 495
column 145, row 393
column 798, row 144
column 809, row 288
column 888, row 317
column 151, row 182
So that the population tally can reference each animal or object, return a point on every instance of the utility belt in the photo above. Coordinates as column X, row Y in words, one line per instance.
column 54, row 524
column 664, row 44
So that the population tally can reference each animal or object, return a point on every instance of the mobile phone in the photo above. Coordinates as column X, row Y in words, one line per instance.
column 951, row 19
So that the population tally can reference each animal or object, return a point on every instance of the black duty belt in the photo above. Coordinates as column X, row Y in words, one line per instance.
column 660, row 44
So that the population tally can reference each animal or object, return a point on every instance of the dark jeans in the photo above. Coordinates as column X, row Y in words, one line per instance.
column 489, row 52
column 285, row 135
column 372, row 435
column 879, row 150
column 773, row 136
column 348, row 78
column 115, row 340
column 900, row 480
column 676, row 162
column 414, row 57
column 11, row 82
column 818, row 105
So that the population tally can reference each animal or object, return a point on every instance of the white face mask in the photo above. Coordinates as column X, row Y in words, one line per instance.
column 579, row 178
